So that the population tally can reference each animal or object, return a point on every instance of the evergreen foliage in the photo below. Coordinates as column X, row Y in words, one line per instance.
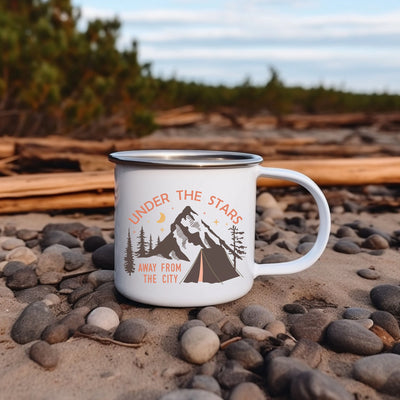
column 58, row 79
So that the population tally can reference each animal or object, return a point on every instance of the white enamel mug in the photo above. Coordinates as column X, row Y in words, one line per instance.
column 185, row 225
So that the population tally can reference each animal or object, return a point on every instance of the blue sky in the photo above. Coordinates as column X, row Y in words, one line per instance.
column 345, row 44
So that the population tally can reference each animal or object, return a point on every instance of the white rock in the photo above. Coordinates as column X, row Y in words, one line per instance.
column 199, row 344
column 266, row 200
column 104, row 318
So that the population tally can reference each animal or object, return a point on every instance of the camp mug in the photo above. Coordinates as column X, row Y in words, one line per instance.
column 185, row 225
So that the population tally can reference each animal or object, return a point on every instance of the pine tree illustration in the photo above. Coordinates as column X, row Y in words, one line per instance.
column 150, row 244
column 237, row 243
column 158, row 240
column 141, row 250
column 129, row 262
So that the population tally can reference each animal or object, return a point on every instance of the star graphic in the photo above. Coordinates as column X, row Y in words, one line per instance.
column 216, row 222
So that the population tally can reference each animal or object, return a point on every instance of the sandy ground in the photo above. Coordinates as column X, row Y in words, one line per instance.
column 91, row 370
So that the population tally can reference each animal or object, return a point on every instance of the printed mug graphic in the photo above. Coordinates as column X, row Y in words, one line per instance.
column 191, row 251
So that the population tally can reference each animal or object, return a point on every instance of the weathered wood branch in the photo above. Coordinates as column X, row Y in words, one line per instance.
column 90, row 190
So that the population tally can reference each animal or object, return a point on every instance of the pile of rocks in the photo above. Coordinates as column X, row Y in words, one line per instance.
column 65, row 274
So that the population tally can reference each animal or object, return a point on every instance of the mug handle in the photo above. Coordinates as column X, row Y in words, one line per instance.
column 312, row 256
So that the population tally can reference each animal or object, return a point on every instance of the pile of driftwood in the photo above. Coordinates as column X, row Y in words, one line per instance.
column 42, row 174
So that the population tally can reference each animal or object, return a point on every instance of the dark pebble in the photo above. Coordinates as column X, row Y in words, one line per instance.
column 35, row 293
column 310, row 326
column 381, row 371
column 356, row 313
column 245, row 354
column 294, row 308
column 44, row 354
column 73, row 228
column 305, row 247
column 80, row 292
column 205, row 382
column 31, row 322
column 345, row 231
column 346, row 247
column 386, row 298
column 92, row 243
column 311, row 385
column 351, row 337
column 13, row 266
column 274, row 258
column 386, row 321
column 368, row 273
column 375, row 242
column 281, row 371
column 73, row 260
column 308, row 351
column 59, row 237
column 55, row 333
column 26, row 234
column 256, row 315
column 103, row 257
column 88, row 329
column 232, row 374
column 23, row 278
column 132, row 330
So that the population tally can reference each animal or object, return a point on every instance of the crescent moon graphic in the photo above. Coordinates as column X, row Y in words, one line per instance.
column 162, row 218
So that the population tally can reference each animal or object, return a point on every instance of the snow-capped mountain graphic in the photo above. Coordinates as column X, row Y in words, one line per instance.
column 191, row 239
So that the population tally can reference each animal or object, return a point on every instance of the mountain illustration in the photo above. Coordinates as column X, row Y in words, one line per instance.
column 189, row 234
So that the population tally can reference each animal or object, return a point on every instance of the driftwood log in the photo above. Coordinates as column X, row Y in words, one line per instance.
column 90, row 190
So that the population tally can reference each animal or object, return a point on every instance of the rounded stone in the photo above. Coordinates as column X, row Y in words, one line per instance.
column 56, row 248
column 368, row 273
column 379, row 371
column 311, row 385
column 281, row 371
column 346, row 247
column 199, row 344
column 44, row 354
column 55, row 333
column 189, row 324
column 27, row 234
column 90, row 231
column 294, row 308
column 22, row 279
column 205, row 382
column 23, row 254
column 51, row 278
column 305, row 247
column 310, row 326
column 190, row 394
column 375, row 242
column 247, row 391
column 345, row 231
column 35, row 293
column 75, row 319
column 350, row 337
column 388, row 322
column 275, row 327
column 308, row 351
column 386, row 298
column 210, row 315
column 132, row 330
column 73, row 260
column 256, row 315
column 245, row 354
column 12, row 266
column 356, row 313
column 31, row 322
column 252, row 332
column 97, row 278
column 92, row 243
column 232, row 373
column 104, row 318
column 50, row 262
column 103, row 257
column 55, row 236
column 12, row 243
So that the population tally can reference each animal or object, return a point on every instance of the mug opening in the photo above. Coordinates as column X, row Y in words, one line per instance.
column 185, row 158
